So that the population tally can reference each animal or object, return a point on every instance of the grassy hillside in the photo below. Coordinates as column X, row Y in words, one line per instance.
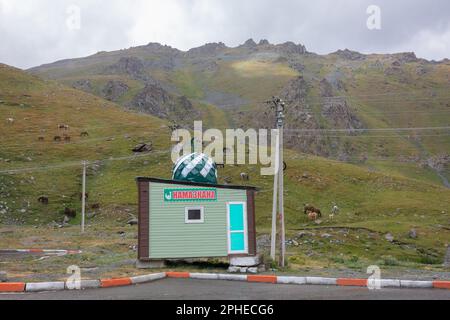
column 38, row 108
column 372, row 203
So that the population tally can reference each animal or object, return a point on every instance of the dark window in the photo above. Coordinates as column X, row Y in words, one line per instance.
column 194, row 214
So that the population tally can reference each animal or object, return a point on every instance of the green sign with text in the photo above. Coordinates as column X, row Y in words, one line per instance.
column 177, row 195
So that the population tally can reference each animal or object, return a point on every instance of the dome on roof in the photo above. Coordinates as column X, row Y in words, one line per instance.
column 195, row 167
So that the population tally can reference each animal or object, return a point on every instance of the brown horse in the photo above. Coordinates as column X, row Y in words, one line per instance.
column 308, row 209
column 313, row 216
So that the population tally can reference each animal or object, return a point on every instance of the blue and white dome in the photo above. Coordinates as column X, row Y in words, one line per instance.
column 195, row 167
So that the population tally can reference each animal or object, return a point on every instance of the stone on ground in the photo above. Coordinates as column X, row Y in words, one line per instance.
column 245, row 261
column 3, row 276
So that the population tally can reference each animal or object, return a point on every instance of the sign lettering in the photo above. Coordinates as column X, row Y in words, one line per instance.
column 173, row 195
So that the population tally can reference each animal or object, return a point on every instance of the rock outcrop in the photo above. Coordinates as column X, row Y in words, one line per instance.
column 131, row 66
column 155, row 100
column 250, row 43
column 350, row 55
column 207, row 49
column 405, row 57
column 115, row 89
column 339, row 114
column 83, row 84
column 290, row 48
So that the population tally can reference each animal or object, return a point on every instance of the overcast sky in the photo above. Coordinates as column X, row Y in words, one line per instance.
column 33, row 32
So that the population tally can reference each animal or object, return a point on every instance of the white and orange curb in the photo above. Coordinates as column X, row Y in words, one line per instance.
column 13, row 287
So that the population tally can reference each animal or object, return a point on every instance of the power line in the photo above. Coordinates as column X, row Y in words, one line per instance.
column 152, row 134
column 81, row 129
column 77, row 163
column 370, row 129
column 413, row 100
column 105, row 138
column 372, row 136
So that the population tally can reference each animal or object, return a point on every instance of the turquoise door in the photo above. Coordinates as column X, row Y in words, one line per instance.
column 237, row 228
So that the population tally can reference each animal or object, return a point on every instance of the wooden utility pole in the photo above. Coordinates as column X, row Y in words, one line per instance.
column 278, row 105
column 83, row 198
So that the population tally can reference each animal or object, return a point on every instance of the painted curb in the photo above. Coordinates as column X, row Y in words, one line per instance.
column 148, row 278
column 388, row 283
column 12, row 287
column 205, row 276
column 441, row 284
column 232, row 277
column 416, row 284
column 321, row 281
column 263, row 279
column 291, row 280
column 346, row 282
column 83, row 284
column 119, row 282
column 177, row 274
column 44, row 286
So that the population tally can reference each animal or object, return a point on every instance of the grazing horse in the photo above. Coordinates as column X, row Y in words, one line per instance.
column 63, row 127
column 335, row 210
column 313, row 216
column 245, row 176
column 308, row 209
column 43, row 200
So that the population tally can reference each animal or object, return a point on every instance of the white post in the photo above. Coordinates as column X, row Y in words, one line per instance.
column 275, row 196
column 281, row 202
column 278, row 105
column 83, row 198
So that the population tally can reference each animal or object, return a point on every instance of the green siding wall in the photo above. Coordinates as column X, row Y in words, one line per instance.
column 171, row 237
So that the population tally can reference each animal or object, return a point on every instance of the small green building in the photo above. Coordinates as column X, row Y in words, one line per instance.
column 184, row 220
column 191, row 216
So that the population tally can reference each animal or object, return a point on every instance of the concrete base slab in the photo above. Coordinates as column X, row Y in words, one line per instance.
column 253, row 270
column 152, row 264
column 246, row 261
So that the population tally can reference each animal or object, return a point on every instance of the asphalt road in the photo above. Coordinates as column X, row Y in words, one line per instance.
column 176, row 289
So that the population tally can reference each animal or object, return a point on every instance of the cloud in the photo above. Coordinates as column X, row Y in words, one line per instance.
column 33, row 32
